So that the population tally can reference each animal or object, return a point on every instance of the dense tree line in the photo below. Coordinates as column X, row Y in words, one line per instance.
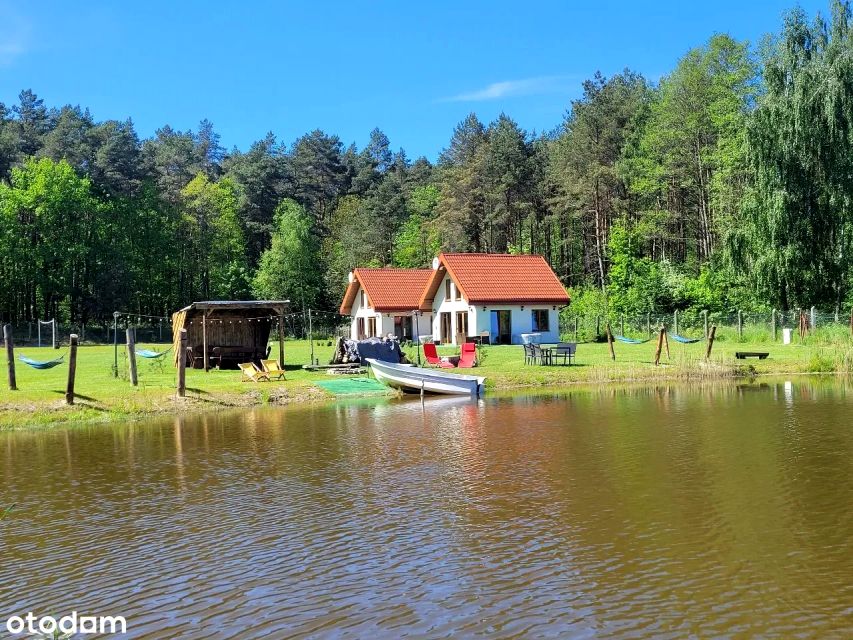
column 725, row 184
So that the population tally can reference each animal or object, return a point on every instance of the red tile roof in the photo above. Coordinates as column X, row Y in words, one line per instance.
column 485, row 278
column 387, row 289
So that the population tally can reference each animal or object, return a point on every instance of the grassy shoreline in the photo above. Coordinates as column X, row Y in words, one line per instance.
column 39, row 402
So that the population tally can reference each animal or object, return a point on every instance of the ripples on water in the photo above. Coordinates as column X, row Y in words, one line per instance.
column 667, row 512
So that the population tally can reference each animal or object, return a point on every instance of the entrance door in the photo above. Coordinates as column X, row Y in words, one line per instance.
column 501, row 326
column 461, row 326
column 403, row 327
column 446, row 328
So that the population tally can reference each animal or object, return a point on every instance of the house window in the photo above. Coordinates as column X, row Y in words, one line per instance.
column 371, row 327
column 447, row 290
column 359, row 329
column 540, row 320
column 363, row 299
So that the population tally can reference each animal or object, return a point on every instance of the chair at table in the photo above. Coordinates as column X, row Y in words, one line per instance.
column 431, row 355
column 195, row 360
column 468, row 356
column 215, row 359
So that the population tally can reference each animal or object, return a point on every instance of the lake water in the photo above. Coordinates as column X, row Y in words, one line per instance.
column 710, row 511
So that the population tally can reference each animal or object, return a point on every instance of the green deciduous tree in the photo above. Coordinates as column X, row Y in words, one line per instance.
column 214, row 252
column 797, row 239
column 290, row 269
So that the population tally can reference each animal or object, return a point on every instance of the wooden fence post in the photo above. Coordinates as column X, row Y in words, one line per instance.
column 675, row 321
column 660, row 345
column 610, row 342
column 711, row 337
column 10, row 356
column 131, row 356
column 182, row 364
column 597, row 327
column 72, row 369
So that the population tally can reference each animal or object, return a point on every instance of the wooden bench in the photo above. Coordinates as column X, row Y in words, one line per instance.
column 228, row 357
column 743, row 355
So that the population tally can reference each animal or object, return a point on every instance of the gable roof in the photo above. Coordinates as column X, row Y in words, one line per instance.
column 494, row 278
column 387, row 289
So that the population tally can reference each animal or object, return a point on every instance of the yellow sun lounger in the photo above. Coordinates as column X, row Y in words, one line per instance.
column 251, row 372
column 271, row 367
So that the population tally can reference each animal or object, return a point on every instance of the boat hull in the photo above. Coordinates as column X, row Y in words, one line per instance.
column 416, row 380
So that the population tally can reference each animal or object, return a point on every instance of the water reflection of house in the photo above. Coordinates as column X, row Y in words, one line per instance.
column 464, row 295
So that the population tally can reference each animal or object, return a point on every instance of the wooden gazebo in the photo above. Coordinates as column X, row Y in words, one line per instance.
column 228, row 330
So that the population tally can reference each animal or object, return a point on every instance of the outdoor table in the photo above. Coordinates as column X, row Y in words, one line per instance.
column 549, row 352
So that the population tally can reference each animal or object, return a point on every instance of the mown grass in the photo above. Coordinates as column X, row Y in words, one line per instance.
column 39, row 402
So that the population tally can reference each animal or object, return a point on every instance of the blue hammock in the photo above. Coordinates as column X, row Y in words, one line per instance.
column 684, row 340
column 147, row 353
column 631, row 340
column 35, row 364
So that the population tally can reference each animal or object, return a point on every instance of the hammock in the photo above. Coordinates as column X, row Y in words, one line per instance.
column 36, row 364
column 147, row 353
column 631, row 340
column 684, row 340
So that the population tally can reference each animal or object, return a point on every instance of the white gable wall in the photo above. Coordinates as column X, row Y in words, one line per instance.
column 365, row 312
column 480, row 317
column 440, row 305
column 384, row 321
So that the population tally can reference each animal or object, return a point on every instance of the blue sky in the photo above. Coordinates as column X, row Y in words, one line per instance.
column 413, row 69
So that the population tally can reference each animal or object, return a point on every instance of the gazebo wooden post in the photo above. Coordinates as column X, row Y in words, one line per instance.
column 204, row 337
column 281, row 337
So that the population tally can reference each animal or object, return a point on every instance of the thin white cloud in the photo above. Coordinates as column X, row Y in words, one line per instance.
column 14, row 34
column 515, row 88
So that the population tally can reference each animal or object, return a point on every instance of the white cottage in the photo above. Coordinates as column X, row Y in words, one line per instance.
column 386, row 302
column 500, row 296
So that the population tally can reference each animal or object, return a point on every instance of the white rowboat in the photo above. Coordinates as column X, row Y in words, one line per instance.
column 416, row 379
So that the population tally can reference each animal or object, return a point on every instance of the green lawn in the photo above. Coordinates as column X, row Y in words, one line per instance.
column 504, row 365
column 100, row 396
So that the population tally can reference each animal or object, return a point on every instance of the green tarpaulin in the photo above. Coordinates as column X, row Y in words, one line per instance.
column 353, row 386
